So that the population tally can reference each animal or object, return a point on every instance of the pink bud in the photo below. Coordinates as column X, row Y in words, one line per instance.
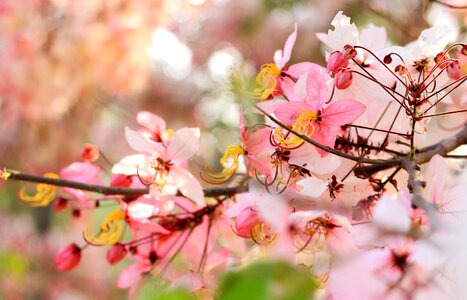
column 89, row 153
column 454, row 70
column 60, row 204
column 116, row 253
column 246, row 219
column 68, row 258
column 120, row 180
column 336, row 62
column 349, row 52
column 343, row 79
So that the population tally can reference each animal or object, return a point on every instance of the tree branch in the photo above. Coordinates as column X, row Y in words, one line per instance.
column 416, row 186
column 422, row 155
column 108, row 190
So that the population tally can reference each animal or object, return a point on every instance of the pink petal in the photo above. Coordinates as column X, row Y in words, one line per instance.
column 342, row 112
column 139, row 142
column 325, row 136
column 283, row 58
column 82, row 172
column 151, row 121
column 287, row 112
column 274, row 210
column 312, row 187
column 316, row 89
column 188, row 185
column 133, row 164
column 185, row 144
column 147, row 226
column 131, row 275
column 391, row 215
column 435, row 176
column 297, row 70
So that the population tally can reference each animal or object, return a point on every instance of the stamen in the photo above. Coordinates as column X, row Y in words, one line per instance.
column 45, row 193
column 304, row 125
column 230, row 164
column 4, row 174
column 111, row 230
column 260, row 234
column 267, row 81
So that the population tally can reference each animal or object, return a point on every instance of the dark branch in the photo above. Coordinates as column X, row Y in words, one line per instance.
column 108, row 190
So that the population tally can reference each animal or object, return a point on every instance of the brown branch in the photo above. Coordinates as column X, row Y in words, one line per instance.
column 422, row 156
column 108, row 190
column 416, row 186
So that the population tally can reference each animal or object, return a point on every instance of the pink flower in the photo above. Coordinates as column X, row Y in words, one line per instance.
column 68, row 258
column 308, row 114
column 276, row 78
column 162, row 163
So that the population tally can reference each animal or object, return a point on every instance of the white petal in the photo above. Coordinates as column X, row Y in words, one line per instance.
column 185, row 144
column 188, row 185
column 391, row 215
column 132, row 165
column 139, row 142
column 312, row 186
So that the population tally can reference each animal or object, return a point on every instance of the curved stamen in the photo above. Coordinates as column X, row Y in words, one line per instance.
column 229, row 162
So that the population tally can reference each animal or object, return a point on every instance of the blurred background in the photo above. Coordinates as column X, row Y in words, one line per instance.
column 76, row 72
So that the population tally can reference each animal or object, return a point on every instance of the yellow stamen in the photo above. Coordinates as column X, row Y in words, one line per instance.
column 304, row 125
column 4, row 174
column 111, row 230
column 45, row 193
column 267, row 81
column 260, row 233
column 230, row 164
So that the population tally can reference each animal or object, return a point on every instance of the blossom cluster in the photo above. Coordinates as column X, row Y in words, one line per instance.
column 330, row 180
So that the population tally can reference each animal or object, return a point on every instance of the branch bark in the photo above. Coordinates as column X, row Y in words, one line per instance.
column 422, row 156
column 108, row 190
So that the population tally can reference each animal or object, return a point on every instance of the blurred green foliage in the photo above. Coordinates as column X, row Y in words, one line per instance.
column 274, row 280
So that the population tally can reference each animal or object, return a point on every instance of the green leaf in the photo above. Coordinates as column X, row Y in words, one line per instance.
column 150, row 292
column 268, row 281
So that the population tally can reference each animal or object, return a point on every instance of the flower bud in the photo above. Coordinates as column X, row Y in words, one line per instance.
column 454, row 70
column 60, row 204
column 336, row 62
column 120, row 180
column 343, row 79
column 387, row 59
column 68, row 258
column 245, row 221
column 349, row 52
column 402, row 70
column 89, row 153
column 116, row 253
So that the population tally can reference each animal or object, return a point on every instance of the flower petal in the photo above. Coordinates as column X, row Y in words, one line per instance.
column 185, row 144
column 282, row 58
column 342, row 112
column 139, row 142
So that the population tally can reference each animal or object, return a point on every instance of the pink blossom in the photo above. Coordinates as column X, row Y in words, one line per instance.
column 163, row 163
column 308, row 114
